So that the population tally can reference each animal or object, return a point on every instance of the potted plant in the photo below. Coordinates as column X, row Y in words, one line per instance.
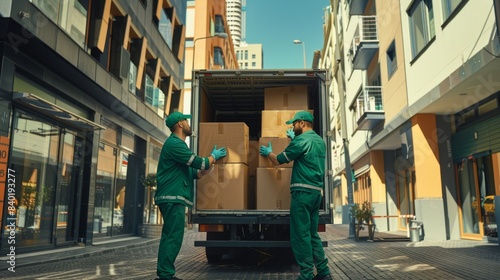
column 363, row 215
column 149, row 182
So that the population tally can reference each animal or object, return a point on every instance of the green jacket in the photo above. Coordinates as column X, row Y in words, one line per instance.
column 176, row 170
column 308, row 152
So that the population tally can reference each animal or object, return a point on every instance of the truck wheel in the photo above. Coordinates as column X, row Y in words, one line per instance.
column 214, row 254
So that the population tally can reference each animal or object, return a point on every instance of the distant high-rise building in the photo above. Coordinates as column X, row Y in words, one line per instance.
column 236, row 20
column 249, row 56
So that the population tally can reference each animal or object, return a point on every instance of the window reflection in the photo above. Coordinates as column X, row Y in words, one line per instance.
column 70, row 15
column 103, row 210
column 35, row 147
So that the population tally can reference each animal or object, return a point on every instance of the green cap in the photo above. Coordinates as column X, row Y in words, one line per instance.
column 301, row 116
column 174, row 118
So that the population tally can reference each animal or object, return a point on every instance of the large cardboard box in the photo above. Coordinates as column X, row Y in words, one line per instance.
column 273, row 122
column 232, row 135
column 273, row 188
column 225, row 187
column 279, row 145
column 253, row 157
column 286, row 98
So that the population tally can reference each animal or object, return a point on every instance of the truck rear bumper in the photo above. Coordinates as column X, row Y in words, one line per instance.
column 247, row 243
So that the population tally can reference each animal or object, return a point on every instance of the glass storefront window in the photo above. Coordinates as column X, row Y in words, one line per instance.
column 151, row 213
column 35, row 147
column 103, row 209
column 120, row 194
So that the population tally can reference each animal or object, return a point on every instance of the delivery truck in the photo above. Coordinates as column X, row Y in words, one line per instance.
column 245, row 201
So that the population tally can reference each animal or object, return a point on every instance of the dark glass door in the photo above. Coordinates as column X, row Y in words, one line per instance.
column 35, row 150
column 69, row 187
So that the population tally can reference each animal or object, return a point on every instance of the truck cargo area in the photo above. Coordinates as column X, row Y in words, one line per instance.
column 228, row 96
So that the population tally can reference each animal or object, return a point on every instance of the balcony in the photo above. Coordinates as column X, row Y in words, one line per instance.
column 357, row 7
column 370, row 110
column 365, row 43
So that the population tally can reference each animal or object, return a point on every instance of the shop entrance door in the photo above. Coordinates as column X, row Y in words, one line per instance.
column 47, row 162
column 470, row 211
column 70, row 178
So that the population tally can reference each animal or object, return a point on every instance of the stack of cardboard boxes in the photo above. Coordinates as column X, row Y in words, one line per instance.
column 226, row 187
column 244, row 179
column 273, row 183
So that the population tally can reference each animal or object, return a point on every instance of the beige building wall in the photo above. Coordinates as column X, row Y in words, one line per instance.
column 250, row 56
column 455, row 43
column 394, row 91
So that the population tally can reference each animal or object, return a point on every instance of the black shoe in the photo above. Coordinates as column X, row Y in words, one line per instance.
column 173, row 278
column 324, row 277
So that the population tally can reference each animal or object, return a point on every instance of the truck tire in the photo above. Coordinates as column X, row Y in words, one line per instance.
column 214, row 254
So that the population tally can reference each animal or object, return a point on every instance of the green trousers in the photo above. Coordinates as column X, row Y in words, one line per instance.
column 172, row 234
column 304, row 238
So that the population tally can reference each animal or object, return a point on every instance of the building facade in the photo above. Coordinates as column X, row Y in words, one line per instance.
column 422, row 106
column 209, row 44
column 250, row 56
column 236, row 10
column 85, row 87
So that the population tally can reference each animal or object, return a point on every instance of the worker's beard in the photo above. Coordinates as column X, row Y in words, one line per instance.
column 187, row 131
column 298, row 131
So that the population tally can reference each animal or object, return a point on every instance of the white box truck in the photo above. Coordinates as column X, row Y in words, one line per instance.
column 238, row 96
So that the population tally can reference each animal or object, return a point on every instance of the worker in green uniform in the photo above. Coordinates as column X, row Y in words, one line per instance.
column 177, row 167
column 307, row 150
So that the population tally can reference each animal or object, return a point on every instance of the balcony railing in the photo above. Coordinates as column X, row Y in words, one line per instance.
column 365, row 42
column 370, row 110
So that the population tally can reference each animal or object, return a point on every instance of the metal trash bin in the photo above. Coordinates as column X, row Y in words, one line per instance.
column 415, row 227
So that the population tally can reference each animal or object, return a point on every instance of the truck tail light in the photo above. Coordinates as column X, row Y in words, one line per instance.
column 210, row 228
column 321, row 228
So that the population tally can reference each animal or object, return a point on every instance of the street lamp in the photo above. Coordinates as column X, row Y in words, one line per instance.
column 303, row 50
column 222, row 35
column 343, row 118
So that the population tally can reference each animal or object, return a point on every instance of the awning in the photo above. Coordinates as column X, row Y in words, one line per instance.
column 52, row 110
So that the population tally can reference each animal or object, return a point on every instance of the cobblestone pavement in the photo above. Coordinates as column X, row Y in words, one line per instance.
column 387, row 257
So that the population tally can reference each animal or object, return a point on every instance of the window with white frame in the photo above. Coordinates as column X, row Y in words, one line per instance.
column 421, row 16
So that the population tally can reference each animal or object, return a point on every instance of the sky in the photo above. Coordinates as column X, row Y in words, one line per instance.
column 277, row 23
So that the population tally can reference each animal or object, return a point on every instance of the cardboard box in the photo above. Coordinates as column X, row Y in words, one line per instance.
column 273, row 188
column 253, row 157
column 273, row 122
column 233, row 136
column 286, row 98
column 279, row 145
column 225, row 187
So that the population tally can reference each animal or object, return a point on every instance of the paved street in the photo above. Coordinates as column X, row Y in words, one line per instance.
column 388, row 257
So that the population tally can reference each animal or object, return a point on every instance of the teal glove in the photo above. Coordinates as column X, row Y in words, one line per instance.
column 290, row 134
column 265, row 151
column 218, row 153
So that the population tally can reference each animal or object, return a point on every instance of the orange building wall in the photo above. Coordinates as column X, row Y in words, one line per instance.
column 425, row 149
column 377, row 176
